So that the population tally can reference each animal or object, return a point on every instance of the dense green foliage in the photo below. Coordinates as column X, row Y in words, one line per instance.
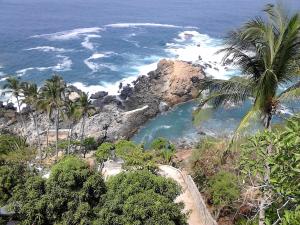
column 224, row 189
column 243, row 174
column 141, row 197
column 76, row 194
column 284, row 184
column 134, row 156
column 11, row 177
column 67, row 197
column 163, row 149
column 14, row 149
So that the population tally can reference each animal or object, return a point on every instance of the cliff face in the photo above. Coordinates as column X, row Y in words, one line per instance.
column 171, row 83
column 120, row 116
column 179, row 80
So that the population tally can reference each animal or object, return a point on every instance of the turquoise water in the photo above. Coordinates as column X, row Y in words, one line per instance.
column 96, row 44
column 177, row 124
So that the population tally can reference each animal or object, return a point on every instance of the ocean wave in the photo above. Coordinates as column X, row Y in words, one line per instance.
column 127, row 25
column 87, row 41
column 89, row 62
column 145, row 69
column 69, row 34
column 111, row 87
column 200, row 48
column 64, row 64
column 49, row 49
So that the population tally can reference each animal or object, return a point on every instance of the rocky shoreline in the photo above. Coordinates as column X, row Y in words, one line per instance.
column 120, row 116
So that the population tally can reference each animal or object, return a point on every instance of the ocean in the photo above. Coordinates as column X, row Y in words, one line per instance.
column 96, row 44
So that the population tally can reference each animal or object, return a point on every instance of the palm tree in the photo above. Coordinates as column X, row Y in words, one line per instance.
column 268, row 55
column 72, row 115
column 13, row 86
column 31, row 98
column 52, row 100
column 85, row 108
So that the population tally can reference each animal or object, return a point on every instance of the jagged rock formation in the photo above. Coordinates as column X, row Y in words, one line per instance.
column 120, row 116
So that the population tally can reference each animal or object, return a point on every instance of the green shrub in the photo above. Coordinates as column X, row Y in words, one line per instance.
column 124, row 148
column 163, row 149
column 162, row 143
column 224, row 189
column 140, row 197
column 291, row 217
column 104, row 152
column 14, row 149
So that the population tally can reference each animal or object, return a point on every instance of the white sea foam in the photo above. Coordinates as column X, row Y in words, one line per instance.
column 145, row 69
column 64, row 64
column 94, row 66
column 126, row 25
column 3, row 78
column 70, row 34
column 200, row 48
column 87, row 41
column 49, row 49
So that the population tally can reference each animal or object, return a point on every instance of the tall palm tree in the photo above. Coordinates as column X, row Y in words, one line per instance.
column 72, row 115
column 268, row 54
column 52, row 101
column 31, row 98
column 86, row 108
column 13, row 86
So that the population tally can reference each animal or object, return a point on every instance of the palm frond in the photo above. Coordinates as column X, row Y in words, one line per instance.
column 221, row 92
column 290, row 93
column 252, row 115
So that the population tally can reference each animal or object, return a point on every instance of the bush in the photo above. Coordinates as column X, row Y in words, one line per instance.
column 104, row 152
column 224, row 190
column 11, row 177
column 69, row 196
column 205, row 160
column 140, row 197
column 163, row 149
column 14, row 149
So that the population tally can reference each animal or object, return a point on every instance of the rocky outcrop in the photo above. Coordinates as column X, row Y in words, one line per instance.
column 120, row 116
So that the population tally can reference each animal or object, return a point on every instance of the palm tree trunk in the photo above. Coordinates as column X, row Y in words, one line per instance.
column 70, row 138
column 82, row 133
column 47, row 141
column 57, row 129
column 21, row 116
column 264, row 201
column 38, row 136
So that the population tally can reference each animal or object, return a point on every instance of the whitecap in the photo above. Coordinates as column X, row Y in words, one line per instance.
column 127, row 25
column 49, row 49
column 64, row 64
column 89, row 62
column 24, row 71
column 69, row 34
column 87, row 41
column 3, row 78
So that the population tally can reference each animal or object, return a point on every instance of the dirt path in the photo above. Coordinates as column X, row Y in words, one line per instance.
column 185, row 197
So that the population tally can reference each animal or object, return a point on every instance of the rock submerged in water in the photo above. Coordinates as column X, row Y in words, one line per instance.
column 121, row 116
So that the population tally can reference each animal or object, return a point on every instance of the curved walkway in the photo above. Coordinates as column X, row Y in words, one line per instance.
column 199, row 215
